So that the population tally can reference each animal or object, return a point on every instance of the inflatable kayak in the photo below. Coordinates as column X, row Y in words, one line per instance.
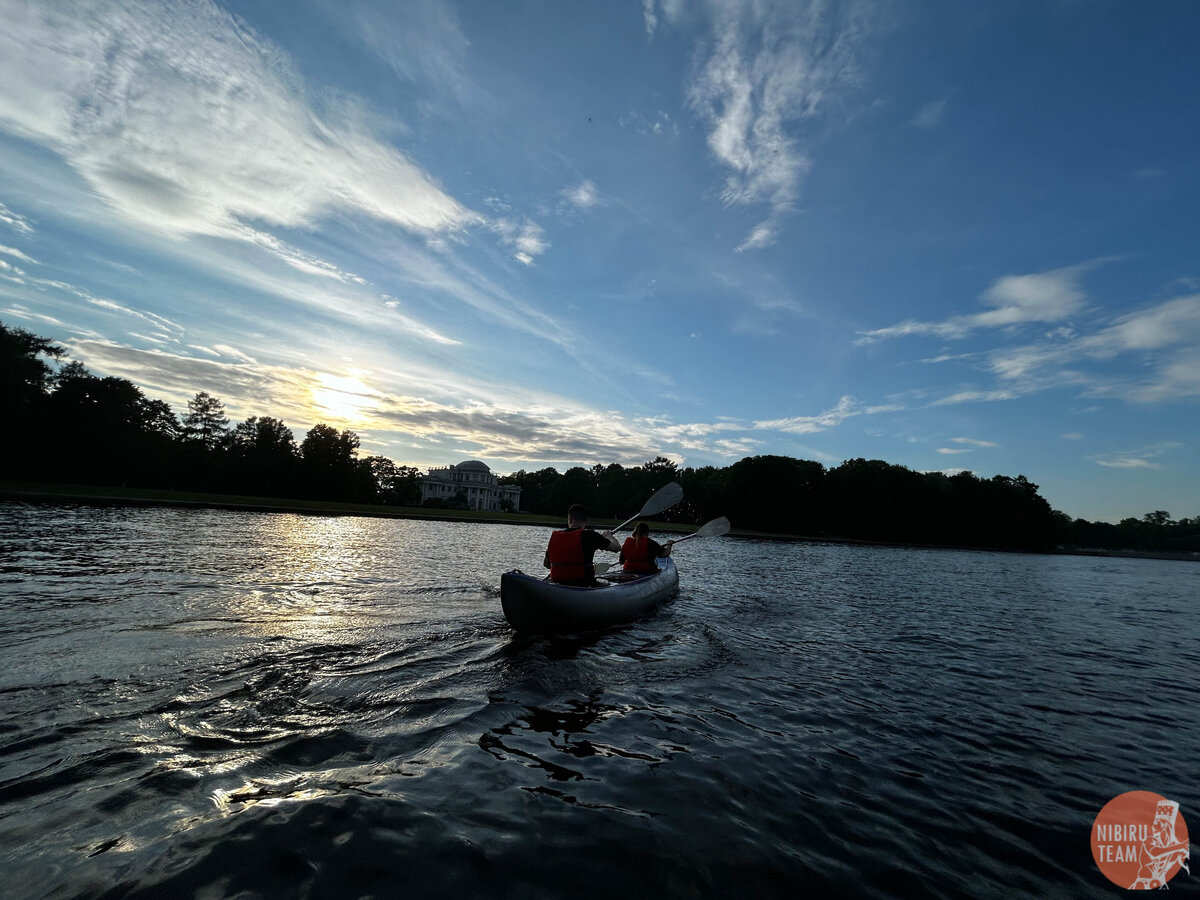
column 539, row 605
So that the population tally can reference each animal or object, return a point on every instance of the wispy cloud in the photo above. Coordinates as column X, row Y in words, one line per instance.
column 12, row 220
column 227, row 136
column 582, row 196
column 526, row 238
column 974, row 442
column 975, row 396
column 767, row 68
column 671, row 10
column 17, row 254
column 1143, row 458
column 1050, row 296
column 1165, row 337
column 929, row 115
column 847, row 407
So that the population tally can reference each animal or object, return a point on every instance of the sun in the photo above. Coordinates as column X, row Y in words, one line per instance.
column 344, row 397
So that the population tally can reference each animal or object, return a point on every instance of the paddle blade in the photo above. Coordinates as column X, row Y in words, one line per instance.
column 715, row 528
column 664, row 498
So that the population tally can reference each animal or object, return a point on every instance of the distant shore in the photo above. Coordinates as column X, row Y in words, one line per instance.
column 37, row 492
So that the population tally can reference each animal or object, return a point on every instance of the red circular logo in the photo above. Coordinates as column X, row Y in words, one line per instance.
column 1140, row 840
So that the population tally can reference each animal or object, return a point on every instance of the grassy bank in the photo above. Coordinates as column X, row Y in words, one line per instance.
column 35, row 492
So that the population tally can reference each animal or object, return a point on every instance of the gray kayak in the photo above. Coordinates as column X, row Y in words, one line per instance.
column 538, row 605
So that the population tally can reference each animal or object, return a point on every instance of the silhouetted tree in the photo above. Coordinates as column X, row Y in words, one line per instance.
column 329, row 466
column 205, row 422
column 777, row 493
column 575, row 486
column 535, row 488
column 263, row 457
column 25, row 380
column 397, row 485
column 612, row 489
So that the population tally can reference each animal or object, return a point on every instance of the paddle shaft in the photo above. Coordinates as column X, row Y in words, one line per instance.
column 715, row 528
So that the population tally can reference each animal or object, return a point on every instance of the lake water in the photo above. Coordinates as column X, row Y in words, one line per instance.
column 207, row 703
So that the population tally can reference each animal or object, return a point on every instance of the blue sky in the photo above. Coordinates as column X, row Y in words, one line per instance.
column 947, row 235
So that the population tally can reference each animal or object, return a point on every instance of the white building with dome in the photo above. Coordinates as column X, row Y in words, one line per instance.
column 475, row 481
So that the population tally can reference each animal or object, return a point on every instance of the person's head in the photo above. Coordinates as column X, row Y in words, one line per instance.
column 641, row 530
column 576, row 515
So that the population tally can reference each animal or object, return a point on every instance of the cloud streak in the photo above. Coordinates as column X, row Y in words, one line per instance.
column 228, row 136
column 1051, row 296
column 767, row 68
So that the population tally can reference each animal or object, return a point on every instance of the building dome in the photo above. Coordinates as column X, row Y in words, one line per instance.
column 473, row 465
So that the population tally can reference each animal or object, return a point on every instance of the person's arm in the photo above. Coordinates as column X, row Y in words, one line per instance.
column 603, row 540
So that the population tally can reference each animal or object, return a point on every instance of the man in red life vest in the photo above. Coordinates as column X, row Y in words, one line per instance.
column 569, row 554
column 639, row 552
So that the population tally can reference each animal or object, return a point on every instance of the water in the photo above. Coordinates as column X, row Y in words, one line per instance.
column 205, row 703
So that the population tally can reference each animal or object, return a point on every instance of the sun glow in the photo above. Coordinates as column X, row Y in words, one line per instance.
column 344, row 397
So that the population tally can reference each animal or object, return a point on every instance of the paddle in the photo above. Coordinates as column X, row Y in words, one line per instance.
column 664, row 498
column 715, row 528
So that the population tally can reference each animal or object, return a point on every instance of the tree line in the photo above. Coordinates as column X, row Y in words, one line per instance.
column 70, row 426
column 67, row 425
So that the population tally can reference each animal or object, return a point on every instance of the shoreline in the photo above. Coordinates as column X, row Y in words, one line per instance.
column 37, row 492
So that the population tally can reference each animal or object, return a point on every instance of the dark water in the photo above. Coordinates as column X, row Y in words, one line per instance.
column 202, row 703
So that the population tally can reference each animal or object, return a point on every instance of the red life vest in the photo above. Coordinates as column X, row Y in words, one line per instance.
column 566, row 556
column 637, row 555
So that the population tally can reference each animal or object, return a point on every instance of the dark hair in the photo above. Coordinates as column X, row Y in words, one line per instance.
column 577, row 513
column 640, row 529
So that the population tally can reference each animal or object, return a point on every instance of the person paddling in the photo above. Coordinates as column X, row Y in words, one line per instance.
column 570, row 551
column 640, row 551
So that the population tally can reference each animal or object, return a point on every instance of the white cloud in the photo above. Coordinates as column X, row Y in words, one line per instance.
column 973, row 442
column 671, row 10
column 768, row 67
column 582, row 196
column 1166, row 337
column 1127, row 462
column 973, row 396
column 526, row 238
column 929, row 115
column 951, row 451
column 13, row 220
column 17, row 254
column 1142, row 458
column 1050, row 296
column 187, row 122
column 846, row 407
column 112, row 306
column 764, row 234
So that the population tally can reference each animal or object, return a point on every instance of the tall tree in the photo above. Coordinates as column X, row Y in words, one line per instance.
column 263, row 456
column 205, row 422
column 24, row 376
column 329, row 463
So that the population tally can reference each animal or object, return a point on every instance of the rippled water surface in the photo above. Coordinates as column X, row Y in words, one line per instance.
column 214, row 704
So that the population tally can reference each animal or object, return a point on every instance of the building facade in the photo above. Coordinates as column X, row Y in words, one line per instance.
column 475, row 481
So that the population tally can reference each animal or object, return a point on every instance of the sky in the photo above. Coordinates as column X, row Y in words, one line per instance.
column 952, row 236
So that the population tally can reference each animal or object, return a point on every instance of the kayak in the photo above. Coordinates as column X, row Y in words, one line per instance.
column 540, row 605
